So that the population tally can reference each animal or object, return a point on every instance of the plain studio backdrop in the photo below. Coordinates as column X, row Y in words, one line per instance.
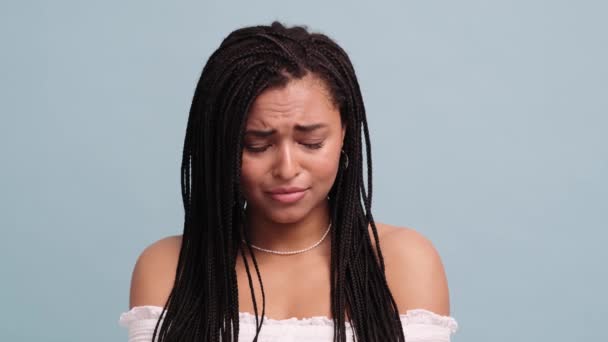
column 489, row 133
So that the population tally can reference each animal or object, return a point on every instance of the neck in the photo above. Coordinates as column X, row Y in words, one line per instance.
column 289, row 236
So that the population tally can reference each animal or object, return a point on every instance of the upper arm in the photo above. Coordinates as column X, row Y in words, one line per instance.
column 154, row 273
column 415, row 272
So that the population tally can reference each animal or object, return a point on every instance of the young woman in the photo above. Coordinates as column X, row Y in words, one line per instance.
column 279, row 242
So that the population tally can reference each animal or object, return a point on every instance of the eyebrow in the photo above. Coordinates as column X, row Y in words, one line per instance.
column 300, row 128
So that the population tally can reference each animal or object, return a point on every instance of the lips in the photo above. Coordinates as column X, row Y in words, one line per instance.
column 288, row 195
column 286, row 190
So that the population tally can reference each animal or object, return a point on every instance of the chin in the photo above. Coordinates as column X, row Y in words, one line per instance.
column 286, row 215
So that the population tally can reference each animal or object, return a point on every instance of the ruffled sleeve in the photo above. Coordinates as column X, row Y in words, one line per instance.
column 421, row 325
column 140, row 322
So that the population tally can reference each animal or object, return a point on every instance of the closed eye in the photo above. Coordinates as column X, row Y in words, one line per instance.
column 260, row 149
column 254, row 149
column 314, row 146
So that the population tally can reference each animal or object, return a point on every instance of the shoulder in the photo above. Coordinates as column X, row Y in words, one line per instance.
column 414, row 271
column 154, row 272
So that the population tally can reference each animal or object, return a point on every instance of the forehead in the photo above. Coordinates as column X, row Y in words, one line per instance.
column 300, row 101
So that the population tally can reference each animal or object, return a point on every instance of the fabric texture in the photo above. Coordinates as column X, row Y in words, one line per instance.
column 419, row 325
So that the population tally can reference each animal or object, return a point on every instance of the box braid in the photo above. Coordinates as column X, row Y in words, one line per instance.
column 203, row 303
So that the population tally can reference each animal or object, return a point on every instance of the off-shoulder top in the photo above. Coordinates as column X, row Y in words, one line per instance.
column 419, row 325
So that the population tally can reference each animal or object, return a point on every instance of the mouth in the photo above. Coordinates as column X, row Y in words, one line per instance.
column 288, row 196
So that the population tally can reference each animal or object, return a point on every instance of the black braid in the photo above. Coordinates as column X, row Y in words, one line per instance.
column 203, row 304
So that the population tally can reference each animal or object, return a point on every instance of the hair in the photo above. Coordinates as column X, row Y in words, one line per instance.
column 203, row 304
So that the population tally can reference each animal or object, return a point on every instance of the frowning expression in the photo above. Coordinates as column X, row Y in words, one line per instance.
column 292, row 144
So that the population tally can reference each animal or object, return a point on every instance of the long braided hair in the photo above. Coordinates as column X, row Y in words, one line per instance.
column 203, row 304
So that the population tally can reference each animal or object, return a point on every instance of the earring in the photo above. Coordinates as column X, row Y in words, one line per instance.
column 346, row 157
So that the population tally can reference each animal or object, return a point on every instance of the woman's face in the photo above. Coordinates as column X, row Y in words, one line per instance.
column 292, row 143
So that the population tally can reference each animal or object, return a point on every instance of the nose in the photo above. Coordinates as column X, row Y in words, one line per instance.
column 286, row 166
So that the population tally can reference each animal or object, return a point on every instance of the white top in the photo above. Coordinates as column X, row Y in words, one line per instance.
column 419, row 325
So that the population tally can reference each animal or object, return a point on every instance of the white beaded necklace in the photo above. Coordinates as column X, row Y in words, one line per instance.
column 292, row 252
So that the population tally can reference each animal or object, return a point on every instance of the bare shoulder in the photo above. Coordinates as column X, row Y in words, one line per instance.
column 154, row 272
column 414, row 270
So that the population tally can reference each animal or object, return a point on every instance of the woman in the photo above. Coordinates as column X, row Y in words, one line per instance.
column 272, row 183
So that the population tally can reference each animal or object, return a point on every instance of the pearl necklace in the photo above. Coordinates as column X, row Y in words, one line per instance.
column 293, row 252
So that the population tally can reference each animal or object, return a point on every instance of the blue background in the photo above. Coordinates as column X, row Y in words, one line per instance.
column 489, row 135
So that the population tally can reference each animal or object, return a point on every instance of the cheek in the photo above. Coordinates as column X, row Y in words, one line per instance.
column 249, row 175
column 319, row 169
column 326, row 169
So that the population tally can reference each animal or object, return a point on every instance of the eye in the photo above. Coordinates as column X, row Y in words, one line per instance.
column 255, row 149
column 314, row 146
column 260, row 149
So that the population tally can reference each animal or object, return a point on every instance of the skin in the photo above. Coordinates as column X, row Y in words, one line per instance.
column 299, row 285
column 291, row 157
